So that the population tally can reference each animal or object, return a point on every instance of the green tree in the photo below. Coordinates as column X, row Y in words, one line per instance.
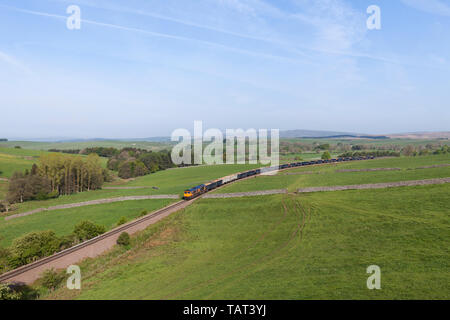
column 5, row 256
column 19, row 190
column 86, row 230
column 51, row 279
column 325, row 146
column 409, row 150
column 326, row 156
column 124, row 239
column 140, row 169
column 143, row 213
column 33, row 246
column 122, row 221
column 4, row 206
column 28, row 187
column 6, row 293
column 126, row 169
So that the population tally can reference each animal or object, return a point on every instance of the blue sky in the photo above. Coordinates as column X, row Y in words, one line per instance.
column 141, row 68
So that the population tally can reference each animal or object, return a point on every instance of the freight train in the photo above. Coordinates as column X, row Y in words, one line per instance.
column 203, row 188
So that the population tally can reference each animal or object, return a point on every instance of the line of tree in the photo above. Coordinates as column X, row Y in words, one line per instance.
column 378, row 153
column 57, row 174
column 412, row 151
column 29, row 186
column 100, row 151
column 69, row 151
column 131, row 162
column 70, row 174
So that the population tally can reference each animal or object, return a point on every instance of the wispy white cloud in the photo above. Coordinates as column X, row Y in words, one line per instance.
column 337, row 25
column 436, row 7
column 252, row 7
column 10, row 60
column 338, row 28
column 118, row 8
column 161, row 35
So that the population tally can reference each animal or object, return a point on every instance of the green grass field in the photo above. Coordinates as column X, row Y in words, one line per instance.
column 155, row 146
column 12, row 160
column 10, row 163
column 63, row 221
column 372, row 142
column 173, row 181
column 177, row 180
column 251, row 248
column 20, row 152
column 328, row 177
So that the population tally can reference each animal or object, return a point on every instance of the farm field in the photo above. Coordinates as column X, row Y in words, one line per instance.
column 63, row 221
column 178, row 179
column 173, row 181
column 326, row 175
column 155, row 146
column 372, row 142
column 10, row 163
column 20, row 152
column 12, row 160
column 252, row 248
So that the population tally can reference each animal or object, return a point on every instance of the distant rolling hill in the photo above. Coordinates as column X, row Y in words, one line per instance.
column 315, row 134
column 311, row 133
column 421, row 135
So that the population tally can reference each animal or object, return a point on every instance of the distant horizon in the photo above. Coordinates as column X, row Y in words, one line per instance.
column 333, row 133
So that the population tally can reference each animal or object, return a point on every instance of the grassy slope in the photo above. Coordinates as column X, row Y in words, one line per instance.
column 12, row 160
column 20, row 152
column 63, row 221
column 328, row 176
column 10, row 163
column 176, row 180
column 245, row 249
